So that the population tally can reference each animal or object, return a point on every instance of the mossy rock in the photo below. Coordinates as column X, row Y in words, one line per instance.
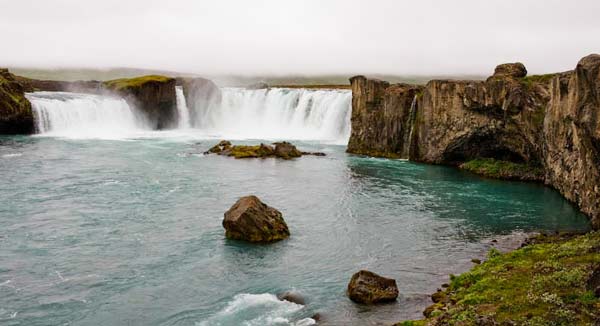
column 369, row 288
column 499, row 169
column 16, row 114
column 137, row 82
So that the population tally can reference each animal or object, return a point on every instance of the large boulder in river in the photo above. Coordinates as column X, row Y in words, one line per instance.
column 16, row 115
column 368, row 287
column 286, row 150
column 252, row 220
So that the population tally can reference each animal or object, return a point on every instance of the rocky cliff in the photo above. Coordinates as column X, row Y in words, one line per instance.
column 153, row 95
column 81, row 86
column 16, row 116
column 547, row 122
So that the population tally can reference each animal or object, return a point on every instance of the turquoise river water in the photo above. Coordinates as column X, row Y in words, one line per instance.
column 128, row 232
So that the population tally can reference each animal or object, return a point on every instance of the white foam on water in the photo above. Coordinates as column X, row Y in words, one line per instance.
column 257, row 310
column 12, row 155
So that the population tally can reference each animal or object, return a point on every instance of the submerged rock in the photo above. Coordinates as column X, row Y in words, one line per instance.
column 252, row 220
column 292, row 296
column 368, row 287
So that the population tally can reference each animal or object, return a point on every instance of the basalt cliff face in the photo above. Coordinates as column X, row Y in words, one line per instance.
column 200, row 93
column 16, row 116
column 153, row 95
column 550, row 122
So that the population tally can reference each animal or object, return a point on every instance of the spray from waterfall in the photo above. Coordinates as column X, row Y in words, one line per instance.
column 75, row 115
column 408, row 141
column 279, row 113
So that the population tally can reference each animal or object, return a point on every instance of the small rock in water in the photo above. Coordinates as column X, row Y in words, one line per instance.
column 286, row 150
column 291, row 296
column 476, row 261
column 368, row 287
column 252, row 220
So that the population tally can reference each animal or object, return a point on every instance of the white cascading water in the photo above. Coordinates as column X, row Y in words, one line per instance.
column 276, row 113
column 182, row 109
column 279, row 113
column 75, row 115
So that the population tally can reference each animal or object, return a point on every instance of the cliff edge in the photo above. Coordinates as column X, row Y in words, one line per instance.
column 547, row 124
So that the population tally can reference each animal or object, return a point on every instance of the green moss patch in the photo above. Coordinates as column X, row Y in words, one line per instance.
column 529, row 81
column 128, row 83
column 498, row 169
column 545, row 283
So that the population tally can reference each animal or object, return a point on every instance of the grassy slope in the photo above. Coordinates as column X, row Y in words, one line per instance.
column 540, row 284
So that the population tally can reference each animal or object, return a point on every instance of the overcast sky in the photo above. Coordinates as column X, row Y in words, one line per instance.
column 307, row 37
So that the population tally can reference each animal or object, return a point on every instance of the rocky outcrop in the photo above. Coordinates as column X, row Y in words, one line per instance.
column 252, row 220
column 153, row 95
column 200, row 95
column 572, row 136
column 283, row 150
column 381, row 117
column 16, row 116
column 368, row 287
column 548, row 123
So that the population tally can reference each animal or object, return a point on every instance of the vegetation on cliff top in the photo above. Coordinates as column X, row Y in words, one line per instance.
column 554, row 281
column 498, row 169
column 128, row 83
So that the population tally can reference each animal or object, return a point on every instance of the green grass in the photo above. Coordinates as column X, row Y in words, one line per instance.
column 529, row 81
column 128, row 83
column 499, row 169
column 540, row 284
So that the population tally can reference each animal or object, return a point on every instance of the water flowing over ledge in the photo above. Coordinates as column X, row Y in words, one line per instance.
column 278, row 113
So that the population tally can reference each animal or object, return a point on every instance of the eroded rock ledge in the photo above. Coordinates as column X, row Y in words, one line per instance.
column 547, row 123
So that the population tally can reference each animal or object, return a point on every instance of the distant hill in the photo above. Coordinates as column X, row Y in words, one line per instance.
column 73, row 74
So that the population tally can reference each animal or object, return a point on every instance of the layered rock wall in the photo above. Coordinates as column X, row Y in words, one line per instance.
column 550, row 122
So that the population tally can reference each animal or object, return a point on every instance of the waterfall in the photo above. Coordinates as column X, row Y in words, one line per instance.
column 279, row 113
column 271, row 114
column 406, row 150
column 182, row 109
column 76, row 115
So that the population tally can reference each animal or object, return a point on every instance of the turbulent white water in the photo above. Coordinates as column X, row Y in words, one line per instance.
column 75, row 115
column 277, row 113
column 259, row 310
column 182, row 109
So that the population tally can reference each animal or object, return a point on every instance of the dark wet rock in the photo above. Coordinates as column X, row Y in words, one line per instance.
column 223, row 145
column 292, row 296
column 476, row 261
column 314, row 153
column 593, row 283
column 368, row 287
column 318, row 317
column 252, row 220
column 286, row 150
column 439, row 297
column 16, row 115
column 153, row 95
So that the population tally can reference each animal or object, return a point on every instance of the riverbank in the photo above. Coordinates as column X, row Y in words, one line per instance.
column 552, row 280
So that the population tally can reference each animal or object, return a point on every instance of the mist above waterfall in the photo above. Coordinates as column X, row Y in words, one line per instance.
column 300, row 37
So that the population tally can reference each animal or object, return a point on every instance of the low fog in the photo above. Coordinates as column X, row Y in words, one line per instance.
column 300, row 37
